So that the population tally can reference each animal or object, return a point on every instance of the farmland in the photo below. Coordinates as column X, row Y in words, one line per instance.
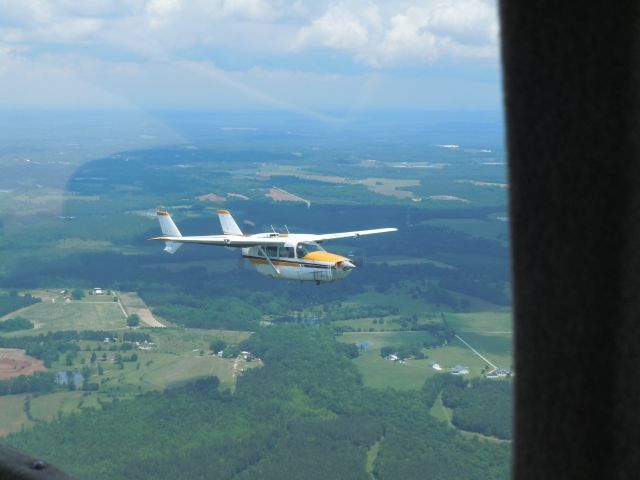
column 441, row 280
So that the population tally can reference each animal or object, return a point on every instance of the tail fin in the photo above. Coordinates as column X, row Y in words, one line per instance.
column 169, row 229
column 229, row 225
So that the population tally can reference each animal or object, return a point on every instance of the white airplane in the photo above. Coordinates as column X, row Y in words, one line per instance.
column 289, row 256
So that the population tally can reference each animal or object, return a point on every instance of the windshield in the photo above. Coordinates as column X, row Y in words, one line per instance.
column 305, row 248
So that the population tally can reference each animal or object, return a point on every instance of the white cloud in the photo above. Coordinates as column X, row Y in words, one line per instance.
column 151, row 51
column 337, row 28
column 425, row 32
column 379, row 35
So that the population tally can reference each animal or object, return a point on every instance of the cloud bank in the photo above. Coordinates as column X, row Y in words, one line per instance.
column 87, row 51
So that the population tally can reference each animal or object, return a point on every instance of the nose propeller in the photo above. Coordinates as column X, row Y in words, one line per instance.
column 345, row 265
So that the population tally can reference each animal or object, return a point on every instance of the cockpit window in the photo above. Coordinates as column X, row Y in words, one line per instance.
column 286, row 252
column 304, row 248
column 272, row 252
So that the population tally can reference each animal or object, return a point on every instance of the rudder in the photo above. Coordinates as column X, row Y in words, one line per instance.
column 229, row 225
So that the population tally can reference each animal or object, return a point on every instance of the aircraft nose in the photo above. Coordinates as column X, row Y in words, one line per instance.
column 347, row 265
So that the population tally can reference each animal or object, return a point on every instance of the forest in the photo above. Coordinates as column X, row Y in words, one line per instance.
column 305, row 411
column 12, row 301
column 482, row 406
column 15, row 324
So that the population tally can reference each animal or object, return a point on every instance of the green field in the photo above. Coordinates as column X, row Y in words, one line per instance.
column 77, row 315
column 47, row 407
column 12, row 416
column 490, row 322
column 406, row 304
column 380, row 373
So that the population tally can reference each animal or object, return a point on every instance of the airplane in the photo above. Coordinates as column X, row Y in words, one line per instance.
column 288, row 256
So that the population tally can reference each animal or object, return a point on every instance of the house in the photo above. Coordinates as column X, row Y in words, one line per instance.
column 98, row 291
column 460, row 370
column 248, row 356
column 436, row 366
column 499, row 373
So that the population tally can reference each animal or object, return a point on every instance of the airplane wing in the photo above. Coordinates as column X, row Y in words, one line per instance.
column 238, row 241
column 332, row 236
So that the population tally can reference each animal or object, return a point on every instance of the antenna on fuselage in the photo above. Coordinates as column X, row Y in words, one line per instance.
column 274, row 230
column 287, row 229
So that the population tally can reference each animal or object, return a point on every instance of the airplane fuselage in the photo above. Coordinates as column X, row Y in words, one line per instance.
column 298, row 260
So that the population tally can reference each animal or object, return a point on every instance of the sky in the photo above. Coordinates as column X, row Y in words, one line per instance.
column 308, row 56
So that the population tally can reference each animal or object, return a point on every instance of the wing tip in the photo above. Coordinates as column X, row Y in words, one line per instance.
column 223, row 212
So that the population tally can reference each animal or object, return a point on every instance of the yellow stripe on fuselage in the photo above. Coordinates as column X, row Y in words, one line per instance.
column 321, row 256
column 279, row 263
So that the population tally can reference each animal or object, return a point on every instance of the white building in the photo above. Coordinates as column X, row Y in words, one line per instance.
column 460, row 370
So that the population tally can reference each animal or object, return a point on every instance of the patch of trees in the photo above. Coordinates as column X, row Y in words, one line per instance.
column 483, row 406
column 77, row 294
column 39, row 382
column 217, row 345
column 136, row 337
column 15, row 324
column 349, row 312
column 133, row 320
column 351, row 350
column 226, row 313
column 9, row 302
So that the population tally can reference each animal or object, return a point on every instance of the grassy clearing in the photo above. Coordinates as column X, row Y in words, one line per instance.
column 482, row 322
column 168, row 372
column 372, row 454
column 441, row 412
column 405, row 303
column 46, row 407
column 365, row 324
column 497, row 348
column 12, row 416
column 48, row 316
column 380, row 373
column 182, row 340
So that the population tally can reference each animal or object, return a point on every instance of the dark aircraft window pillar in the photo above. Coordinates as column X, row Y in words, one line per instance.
column 572, row 87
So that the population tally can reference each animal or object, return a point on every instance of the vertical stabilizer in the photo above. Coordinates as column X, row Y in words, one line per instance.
column 169, row 229
column 229, row 225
